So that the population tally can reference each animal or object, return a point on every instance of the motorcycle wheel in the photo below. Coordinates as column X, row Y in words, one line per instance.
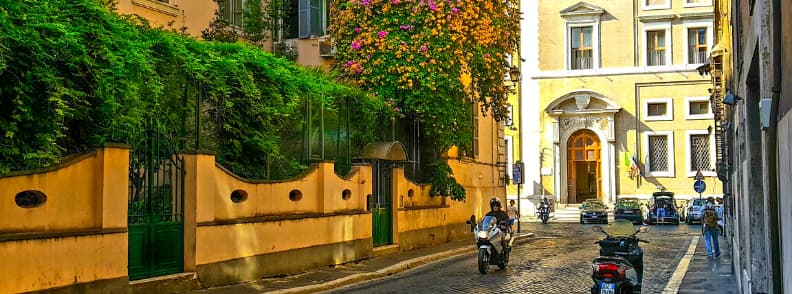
column 544, row 219
column 483, row 261
column 504, row 260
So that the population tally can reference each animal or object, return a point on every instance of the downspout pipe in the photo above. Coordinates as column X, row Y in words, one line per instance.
column 772, row 151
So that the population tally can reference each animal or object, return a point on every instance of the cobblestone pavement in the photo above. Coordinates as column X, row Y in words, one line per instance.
column 558, row 261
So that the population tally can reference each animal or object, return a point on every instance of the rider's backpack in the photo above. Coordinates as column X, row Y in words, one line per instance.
column 710, row 218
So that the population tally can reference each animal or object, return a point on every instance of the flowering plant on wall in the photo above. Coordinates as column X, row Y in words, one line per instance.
column 431, row 57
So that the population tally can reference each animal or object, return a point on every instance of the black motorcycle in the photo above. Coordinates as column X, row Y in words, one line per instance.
column 619, row 268
column 544, row 212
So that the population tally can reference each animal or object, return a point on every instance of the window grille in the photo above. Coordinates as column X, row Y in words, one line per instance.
column 697, row 45
column 658, row 153
column 700, row 153
column 656, row 48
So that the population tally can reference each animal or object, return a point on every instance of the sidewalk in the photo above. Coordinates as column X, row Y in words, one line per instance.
column 351, row 273
column 710, row 275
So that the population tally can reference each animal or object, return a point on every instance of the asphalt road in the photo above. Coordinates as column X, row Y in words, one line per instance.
column 556, row 261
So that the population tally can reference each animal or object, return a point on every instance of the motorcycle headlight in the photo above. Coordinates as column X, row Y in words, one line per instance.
column 483, row 234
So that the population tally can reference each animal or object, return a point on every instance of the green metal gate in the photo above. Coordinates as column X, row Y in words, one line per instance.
column 381, row 204
column 156, row 207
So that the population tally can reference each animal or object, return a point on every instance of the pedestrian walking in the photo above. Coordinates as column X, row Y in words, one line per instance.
column 514, row 214
column 709, row 227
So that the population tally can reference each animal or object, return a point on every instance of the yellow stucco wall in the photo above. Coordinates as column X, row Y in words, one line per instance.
column 78, row 235
column 226, row 242
column 30, row 265
column 628, row 85
column 321, row 190
column 617, row 31
column 195, row 15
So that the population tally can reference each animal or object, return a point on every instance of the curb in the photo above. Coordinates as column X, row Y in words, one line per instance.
column 390, row 270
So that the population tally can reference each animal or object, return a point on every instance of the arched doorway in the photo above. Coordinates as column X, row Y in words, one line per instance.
column 584, row 161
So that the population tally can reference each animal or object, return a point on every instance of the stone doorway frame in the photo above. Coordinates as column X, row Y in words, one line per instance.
column 585, row 115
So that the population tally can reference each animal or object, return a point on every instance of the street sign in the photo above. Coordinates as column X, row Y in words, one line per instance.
column 517, row 175
column 699, row 176
column 699, row 186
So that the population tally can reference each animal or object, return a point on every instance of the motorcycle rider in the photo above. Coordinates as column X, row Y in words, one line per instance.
column 497, row 211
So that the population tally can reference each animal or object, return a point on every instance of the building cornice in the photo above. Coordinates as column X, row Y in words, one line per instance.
column 657, row 17
column 682, row 68
column 696, row 15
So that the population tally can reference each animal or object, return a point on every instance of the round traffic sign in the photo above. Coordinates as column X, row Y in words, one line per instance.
column 699, row 186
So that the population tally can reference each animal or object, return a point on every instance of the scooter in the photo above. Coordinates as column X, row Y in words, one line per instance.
column 544, row 212
column 619, row 268
column 493, row 240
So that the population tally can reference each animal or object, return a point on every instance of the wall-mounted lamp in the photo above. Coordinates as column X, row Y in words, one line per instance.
column 731, row 99
column 514, row 74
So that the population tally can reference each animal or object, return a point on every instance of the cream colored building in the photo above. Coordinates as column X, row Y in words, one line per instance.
column 616, row 84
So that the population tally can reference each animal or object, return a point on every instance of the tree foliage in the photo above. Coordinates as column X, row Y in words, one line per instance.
column 433, row 57
column 75, row 74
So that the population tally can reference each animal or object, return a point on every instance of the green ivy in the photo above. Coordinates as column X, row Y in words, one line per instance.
column 75, row 74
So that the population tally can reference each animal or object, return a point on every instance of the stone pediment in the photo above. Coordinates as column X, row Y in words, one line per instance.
column 582, row 9
column 582, row 101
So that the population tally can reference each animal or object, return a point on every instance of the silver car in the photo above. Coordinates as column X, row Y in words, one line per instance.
column 693, row 214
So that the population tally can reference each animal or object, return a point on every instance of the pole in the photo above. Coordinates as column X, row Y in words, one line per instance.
column 519, row 230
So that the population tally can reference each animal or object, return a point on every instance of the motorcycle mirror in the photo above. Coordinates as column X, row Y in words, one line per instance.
column 472, row 219
column 597, row 229
column 643, row 229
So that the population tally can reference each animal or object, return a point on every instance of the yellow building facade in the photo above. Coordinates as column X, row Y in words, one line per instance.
column 623, row 112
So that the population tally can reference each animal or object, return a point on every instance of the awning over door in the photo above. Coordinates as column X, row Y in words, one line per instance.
column 393, row 151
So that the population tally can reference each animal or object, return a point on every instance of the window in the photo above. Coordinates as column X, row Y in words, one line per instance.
column 656, row 4
column 510, row 116
column 659, row 153
column 697, row 45
column 699, row 153
column 700, row 156
column 655, row 48
column 312, row 16
column 698, row 108
column 658, row 109
column 581, row 48
column 232, row 11
column 304, row 18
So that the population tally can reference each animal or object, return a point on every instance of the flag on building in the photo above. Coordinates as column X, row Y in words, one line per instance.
column 635, row 170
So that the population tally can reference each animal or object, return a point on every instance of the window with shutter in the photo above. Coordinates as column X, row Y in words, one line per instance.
column 312, row 18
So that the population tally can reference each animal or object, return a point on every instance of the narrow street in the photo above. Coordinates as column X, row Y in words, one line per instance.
column 557, row 261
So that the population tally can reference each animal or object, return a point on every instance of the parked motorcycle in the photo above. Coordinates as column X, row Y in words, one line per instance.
column 493, row 240
column 619, row 268
column 544, row 212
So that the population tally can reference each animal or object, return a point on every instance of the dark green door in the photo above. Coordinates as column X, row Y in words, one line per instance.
column 156, row 218
column 381, row 202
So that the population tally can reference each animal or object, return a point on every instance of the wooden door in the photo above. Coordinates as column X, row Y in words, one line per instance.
column 584, row 176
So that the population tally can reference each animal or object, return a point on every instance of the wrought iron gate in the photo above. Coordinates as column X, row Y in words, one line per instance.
column 156, row 208
column 381, row 204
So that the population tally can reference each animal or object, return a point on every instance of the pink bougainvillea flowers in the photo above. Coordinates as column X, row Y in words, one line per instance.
column 358, row 30
column 356, row 45
column 424, row 48
column 382, row 34
column 455, row 10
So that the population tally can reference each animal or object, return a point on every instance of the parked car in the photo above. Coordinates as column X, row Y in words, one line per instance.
column 593, row 211
column 693, row 214
column 662, row 209
column 628, row 209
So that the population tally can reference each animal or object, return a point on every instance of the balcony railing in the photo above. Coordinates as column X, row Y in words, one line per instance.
column 581, row 59
column 655, row 57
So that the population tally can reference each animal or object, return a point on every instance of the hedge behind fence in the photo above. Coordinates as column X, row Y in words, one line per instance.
column 74, row 74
